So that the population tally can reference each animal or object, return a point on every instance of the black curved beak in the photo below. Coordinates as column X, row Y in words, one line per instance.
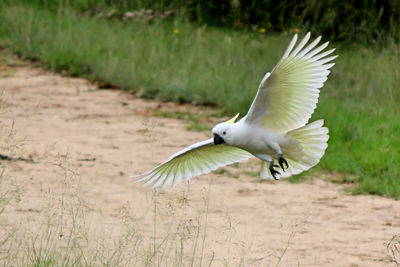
column 218, row 139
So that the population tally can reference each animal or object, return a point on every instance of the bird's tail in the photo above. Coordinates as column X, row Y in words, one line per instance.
column 305, row 151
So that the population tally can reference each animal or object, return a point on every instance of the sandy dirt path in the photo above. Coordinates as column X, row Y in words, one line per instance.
column 68, row 148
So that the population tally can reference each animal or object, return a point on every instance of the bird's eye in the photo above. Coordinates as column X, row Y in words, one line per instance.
column 224, row 133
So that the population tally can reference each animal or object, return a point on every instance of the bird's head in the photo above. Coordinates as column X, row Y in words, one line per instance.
column 223, row 131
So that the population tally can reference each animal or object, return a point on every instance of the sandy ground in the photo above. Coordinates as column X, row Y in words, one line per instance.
column 68, row 148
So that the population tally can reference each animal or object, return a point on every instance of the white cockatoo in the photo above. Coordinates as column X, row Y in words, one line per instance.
column 275, row 128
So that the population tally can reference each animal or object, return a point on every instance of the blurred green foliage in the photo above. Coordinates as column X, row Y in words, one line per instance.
column 363, row 21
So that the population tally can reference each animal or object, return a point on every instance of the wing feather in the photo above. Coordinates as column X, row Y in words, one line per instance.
column 317, row 57
column 179, row 176
column 199, row 158
column 300, row 45
column 290, row 47
column 170, row 175
column 287, row 97
column 310, row 46
column 151, row 178
column 316, row 50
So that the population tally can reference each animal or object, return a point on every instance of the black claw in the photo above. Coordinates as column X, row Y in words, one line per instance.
column 273, row 172
column 282, row 161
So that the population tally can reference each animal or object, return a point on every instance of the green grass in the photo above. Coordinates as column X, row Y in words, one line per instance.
column 195, row 120
column 222, row 68
column 366, row 22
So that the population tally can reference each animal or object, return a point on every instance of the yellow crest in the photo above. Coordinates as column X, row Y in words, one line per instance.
column 232, row 121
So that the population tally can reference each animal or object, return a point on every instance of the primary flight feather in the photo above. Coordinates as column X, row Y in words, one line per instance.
column 275, row 129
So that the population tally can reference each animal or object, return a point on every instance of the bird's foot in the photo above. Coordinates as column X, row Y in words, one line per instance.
column 282, row 161
column 273, row 172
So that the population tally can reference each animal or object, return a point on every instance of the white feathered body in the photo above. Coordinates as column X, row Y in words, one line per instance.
column 303, row 147
column 257, row 139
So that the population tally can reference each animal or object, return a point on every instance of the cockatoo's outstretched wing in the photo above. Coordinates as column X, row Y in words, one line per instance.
column 199, row 158
column 287, row 97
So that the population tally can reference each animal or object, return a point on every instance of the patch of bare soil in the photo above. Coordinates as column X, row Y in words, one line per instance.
column 67, row 150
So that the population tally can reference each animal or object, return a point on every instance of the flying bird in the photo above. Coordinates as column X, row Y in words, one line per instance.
column 275, row 128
